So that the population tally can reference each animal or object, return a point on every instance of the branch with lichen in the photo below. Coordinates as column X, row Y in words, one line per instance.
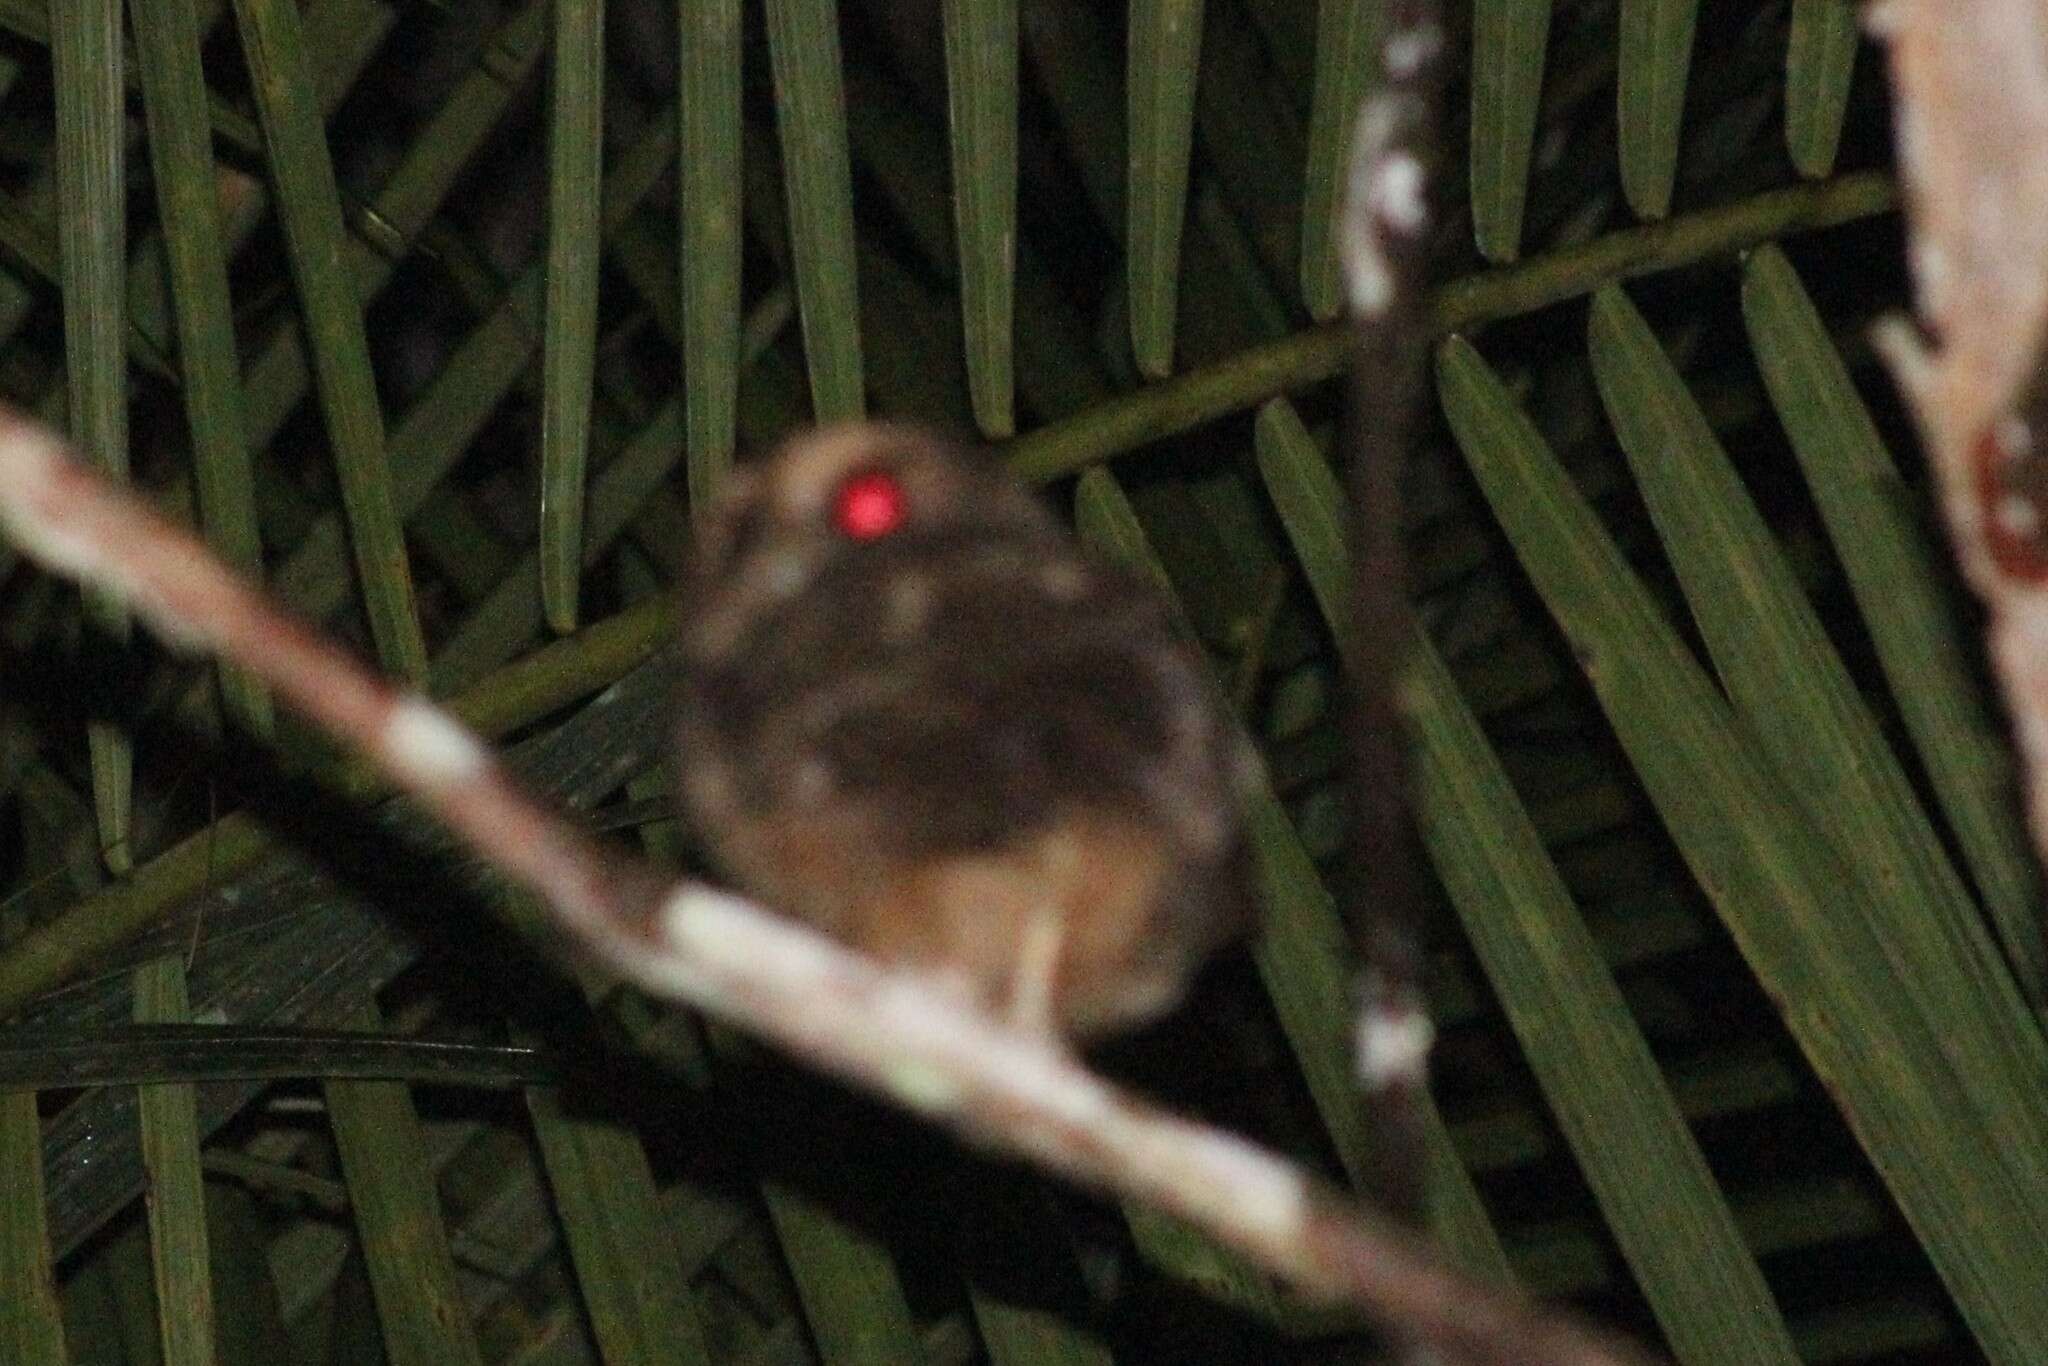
column 1971, row 77
column 841, row 1013
column 1384, row 249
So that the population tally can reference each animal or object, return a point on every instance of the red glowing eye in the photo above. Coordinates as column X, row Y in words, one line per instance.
column 868, row 505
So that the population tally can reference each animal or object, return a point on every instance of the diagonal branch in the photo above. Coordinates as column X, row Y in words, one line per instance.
column 690, row 943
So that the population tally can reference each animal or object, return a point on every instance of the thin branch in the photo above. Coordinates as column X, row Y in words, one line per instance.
column 828, row 1006
column 1251, row 376
column 1384, row 248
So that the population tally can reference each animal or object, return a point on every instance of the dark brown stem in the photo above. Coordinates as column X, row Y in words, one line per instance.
column 1388, row 218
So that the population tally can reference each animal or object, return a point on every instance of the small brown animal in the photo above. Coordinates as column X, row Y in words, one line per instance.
column 916, row 716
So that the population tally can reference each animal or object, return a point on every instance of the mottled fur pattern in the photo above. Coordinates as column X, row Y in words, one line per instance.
column 963, row 745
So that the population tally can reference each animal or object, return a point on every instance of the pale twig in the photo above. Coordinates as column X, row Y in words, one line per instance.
column 1971, row 77
column 829, row 1007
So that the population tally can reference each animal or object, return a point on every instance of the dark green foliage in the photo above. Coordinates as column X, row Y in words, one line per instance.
column 1735, row 958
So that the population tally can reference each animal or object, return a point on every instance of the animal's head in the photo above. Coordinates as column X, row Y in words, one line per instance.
column 832, row 497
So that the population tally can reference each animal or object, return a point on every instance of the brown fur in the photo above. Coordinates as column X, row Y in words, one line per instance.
column 963, row 747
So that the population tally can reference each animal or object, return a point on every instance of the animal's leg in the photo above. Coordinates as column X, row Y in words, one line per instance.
column 1037, row 972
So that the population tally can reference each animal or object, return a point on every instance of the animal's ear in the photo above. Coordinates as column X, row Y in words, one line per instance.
column 729, row 516
column 740, row 483
column 973, row 451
